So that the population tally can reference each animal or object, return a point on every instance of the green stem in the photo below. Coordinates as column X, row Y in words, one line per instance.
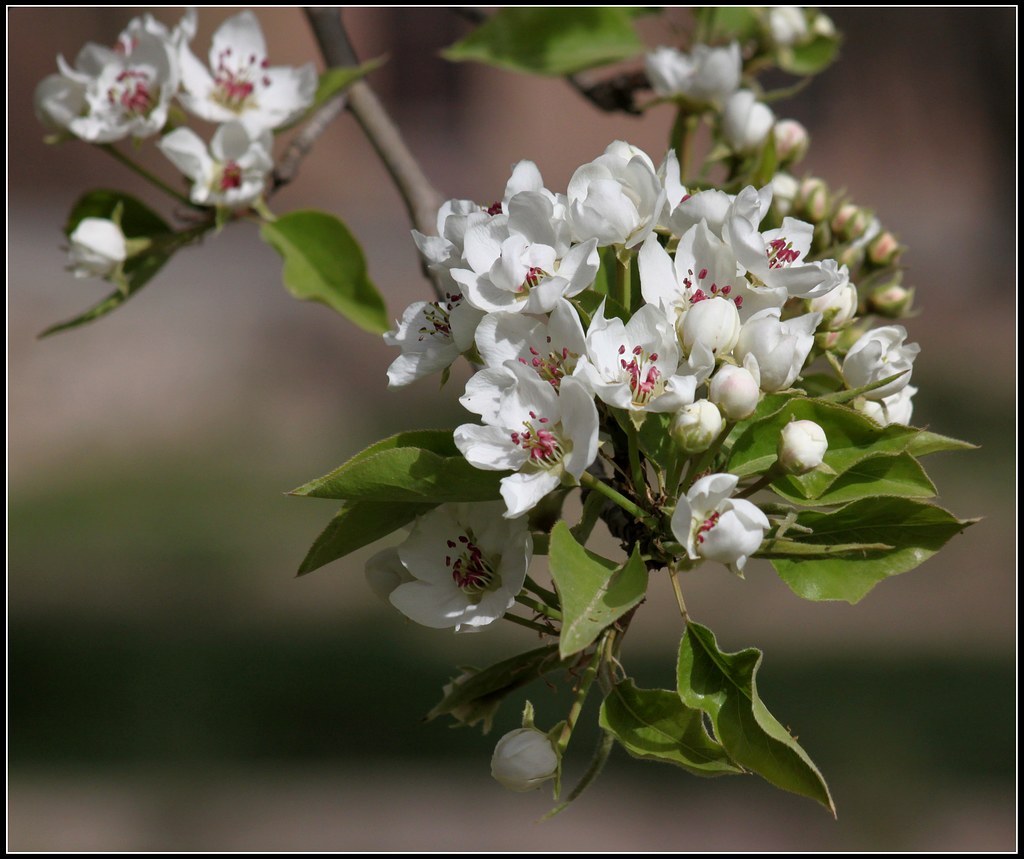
column 550, row 597
column 529, row 624
column 762, row 482
column 674, row 577
column 682, row 139
column 586, row 681
column 623, row 271
column 706, row 458
column 601, row 754
column 538, row 607
column 591, row 482
column 636, row 468
column 145, row 174
column 674, row 471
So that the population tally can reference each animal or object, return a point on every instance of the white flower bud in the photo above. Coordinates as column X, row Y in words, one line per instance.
column 896, row 409
column 838, row 307
column 802, row 446
column 813, row 200
column 746, row 122
column 696, row 426
column 784, row 191
column 892, row 300
column 736, row 391
column 98, row 247
column 884, row 249
column 880, row 353
column 787, row 26
column 791, row 140
column 524, row 759
column 705, row 76
column 715, row 322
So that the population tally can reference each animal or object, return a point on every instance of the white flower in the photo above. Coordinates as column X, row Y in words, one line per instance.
column 771, row 258
column 616, row 198
column 746, row 122
column 838, row 307
column 714, row 526
column 878, row 354
column 684, row 210
column 736, row 390
column 696, row 426
column 243, row 85
column 787, row 25
column 634, row 366
column 897, row 408
column 98, row 247
column 524, row 759
column 234, row 170
column 385, row 572
column 468, row 564
column 454, row 218
column 431, row 335
column 802, row 446
column 705, row 77
column 780, row 348
column 547, row 437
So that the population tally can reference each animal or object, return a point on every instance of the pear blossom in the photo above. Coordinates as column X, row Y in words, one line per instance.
column 231, row 173
column 467, row 564
column 243, row 85
column 878, row 354
column 696, row 426
column 634, row 365
column 684, row 210
column 802, row 447
column 705, row 76
column 771, row 258
column 838, row 307
column 524, row 759
column 897, row 408
column 616, row 198
column 779, row 348
column 736, row 390
column 716, row 527
column 784, row 192
column 523, row 261
column 431, row 335
column 787, row 26
column 385, row 572
column 98, row 248
column 546, row 437
column 746, row 122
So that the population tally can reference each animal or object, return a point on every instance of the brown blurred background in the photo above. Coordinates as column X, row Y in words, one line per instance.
column 172, row 686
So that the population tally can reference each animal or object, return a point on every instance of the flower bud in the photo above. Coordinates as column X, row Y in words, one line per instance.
column 850, row 222
column 735, row 391
column 98, row 247
column 715, row 322
column 696, row 426
column 791, row 140
column 852, row 257
column 746, row 122
column 892, row 300
column 524, row 759
column 896, row 409
column 838, row 307
column 812, row 201
column 787, row 26
column 884, row 249
column 802, row 446
column 784, row 191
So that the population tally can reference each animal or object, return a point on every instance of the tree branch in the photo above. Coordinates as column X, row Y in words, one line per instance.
column 288, row 167
column 420, row 197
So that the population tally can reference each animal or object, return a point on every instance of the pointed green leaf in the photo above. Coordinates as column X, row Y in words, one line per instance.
column 915, row 531
column 358, row 524
column 474, row 695
column 406, row 474
column 900, row 475
column 783, row 548
column 654, row 724
column 811, row 58
column 925, row 442
column 724, row 685
column 594, row 591
column 137, row 219
column 323, row 262
column 551, row 41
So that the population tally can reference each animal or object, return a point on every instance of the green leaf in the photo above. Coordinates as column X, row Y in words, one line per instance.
column 474, row 695
column 725, row 23
column 323, row 262
column 724, row 685
column 925, row 442
column 915, row 531
column 900, row 475
column 654, row 724
column 138, row 221
column 358, row 524
column 551, row 41
column 418, row 466
column 783, row 548
column 588, row 302
column 811, row 58
column 594, row 592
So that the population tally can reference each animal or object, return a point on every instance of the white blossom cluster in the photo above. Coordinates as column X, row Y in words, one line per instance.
column 129, row 91
column 730, row 311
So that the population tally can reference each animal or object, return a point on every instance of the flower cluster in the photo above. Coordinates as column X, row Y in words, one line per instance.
column 130, row 90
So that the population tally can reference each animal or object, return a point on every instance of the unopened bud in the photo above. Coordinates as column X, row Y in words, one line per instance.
column 852, row 257
column 838, row 307
column 98, row 247
column 812, row 201
column 850, row 222
column 891, row 300
column 735, row 391
column 802, row 446
column 791, row 140
column 524, row 759
column 784, row 191
column 884, row 249
column 696, row 426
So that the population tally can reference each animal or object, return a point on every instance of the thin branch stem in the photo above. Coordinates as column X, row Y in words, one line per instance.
column 591, row 482
column 550, row 597
column 637, row 469
column 302, row 144
column 674, row 577
column 118, row 155
column 586, row 681
column 538, row 607
column 529, row 624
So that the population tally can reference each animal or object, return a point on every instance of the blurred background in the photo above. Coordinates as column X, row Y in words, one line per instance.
column 173, row 686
